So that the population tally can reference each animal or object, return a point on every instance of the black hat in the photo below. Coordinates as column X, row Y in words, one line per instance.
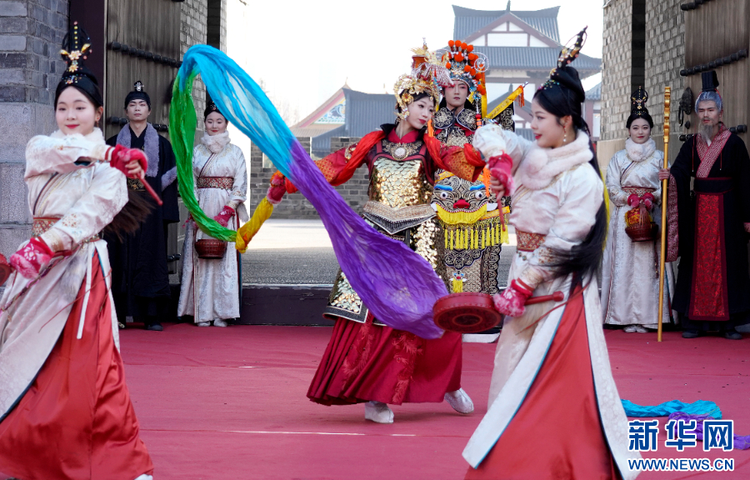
column 638, row 103
column 75, row 47
column 710, row 81
column 211, row 108
column 138, row 93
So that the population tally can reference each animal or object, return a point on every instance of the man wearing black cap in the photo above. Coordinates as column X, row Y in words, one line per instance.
column 140, row 278
column 709, row 215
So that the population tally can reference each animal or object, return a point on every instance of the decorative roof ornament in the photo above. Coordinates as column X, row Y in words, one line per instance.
column 427, row 75
column 567, row 55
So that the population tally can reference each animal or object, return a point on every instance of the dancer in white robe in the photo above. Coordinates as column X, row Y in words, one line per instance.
column 554, row 410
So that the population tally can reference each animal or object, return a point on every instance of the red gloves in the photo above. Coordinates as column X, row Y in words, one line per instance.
column 500, row 168
column 277, row 189
column 511, row 301
column 30, row 260
column 121, row 156
column 648, row 200
column 225, row 215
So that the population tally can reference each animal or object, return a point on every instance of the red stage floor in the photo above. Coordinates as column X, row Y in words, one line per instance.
column 229, row 403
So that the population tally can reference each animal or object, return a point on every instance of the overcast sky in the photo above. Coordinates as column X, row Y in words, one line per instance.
column 304, row 51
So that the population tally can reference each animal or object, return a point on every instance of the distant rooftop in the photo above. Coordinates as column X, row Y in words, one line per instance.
column 468, row 21
column 595, row 93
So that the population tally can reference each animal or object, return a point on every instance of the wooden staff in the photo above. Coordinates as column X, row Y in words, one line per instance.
column 667, row 101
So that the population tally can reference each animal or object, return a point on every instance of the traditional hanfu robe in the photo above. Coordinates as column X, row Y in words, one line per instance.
column 711, row 204
column 65, row 411
column 140, row 277
column 211, row 287
column 630, row 270
column 554, row 408
column 366, row 360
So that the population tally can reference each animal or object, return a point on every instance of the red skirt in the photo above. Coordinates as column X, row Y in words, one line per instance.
column 365, row 362
column 556, row 432
column 76, row 420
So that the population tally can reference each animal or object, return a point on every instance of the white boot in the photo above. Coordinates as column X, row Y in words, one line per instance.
column 459, row 401
column 145, row 477
column 219, row 323
column 378, row 412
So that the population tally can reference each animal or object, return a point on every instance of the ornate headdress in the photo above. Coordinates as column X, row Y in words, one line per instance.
column 466, row 66
column 428, row 75
column 211, row 108
column 138, row 93
column 75, row 49
column 638, row 103
column 567, row 55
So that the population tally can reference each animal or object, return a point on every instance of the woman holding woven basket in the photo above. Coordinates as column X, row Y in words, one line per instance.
column 630, row 267
column 210, row 277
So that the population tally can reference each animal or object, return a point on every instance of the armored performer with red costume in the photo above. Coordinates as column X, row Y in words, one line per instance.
column 65, row 411
column 469, row 216
column 709, row 217
column 365, row 360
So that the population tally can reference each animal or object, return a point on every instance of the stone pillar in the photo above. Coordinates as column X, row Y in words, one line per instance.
column 31, row 32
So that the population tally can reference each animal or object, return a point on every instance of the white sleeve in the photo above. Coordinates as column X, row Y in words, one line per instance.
column 580, row 195
column 93, row 211
column 59, row 155
column 491, row 141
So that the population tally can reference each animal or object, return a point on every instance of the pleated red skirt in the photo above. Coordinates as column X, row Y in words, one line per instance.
column 365, row 362
column 557, row 432
column 76, row 420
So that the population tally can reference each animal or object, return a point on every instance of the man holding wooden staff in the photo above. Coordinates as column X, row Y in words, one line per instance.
column 708, row 217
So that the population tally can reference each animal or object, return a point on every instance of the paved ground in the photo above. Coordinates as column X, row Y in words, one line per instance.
column 300, row 252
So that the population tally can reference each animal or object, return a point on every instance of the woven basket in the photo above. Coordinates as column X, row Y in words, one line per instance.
column 210, row 248
column 5, row 269
column 640, row 227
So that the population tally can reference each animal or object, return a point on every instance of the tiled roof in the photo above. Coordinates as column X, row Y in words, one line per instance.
column 535, row 58
column 365, row 112
column 468, row 21
column 595, row 93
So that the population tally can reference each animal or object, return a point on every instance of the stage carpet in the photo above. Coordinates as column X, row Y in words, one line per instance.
column 229, row 403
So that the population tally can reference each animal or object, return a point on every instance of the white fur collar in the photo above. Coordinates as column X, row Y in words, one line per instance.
column 640, row 152
column 542, row 165
column 96, row 136
column 215, row 143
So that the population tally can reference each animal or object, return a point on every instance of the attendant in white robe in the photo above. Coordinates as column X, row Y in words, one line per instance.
column 210, row 290
column 554, row 408
column 630, row 269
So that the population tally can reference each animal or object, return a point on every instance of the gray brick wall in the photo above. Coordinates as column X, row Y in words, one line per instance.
column 665, row 57
column 193, row 30
column 296, row 206
column 616, row 68
column 31, row 32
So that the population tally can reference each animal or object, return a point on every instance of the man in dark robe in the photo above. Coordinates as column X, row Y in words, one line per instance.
column 709, row 198
column 140, row 278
